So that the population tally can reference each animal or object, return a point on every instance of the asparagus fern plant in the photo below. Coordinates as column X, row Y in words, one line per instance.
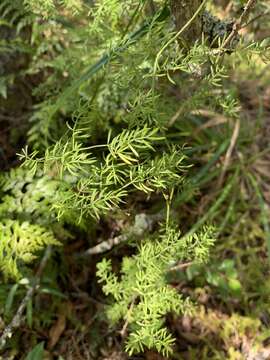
column 107, row 126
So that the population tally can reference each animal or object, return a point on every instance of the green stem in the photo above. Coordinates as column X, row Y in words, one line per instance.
column 177, row 35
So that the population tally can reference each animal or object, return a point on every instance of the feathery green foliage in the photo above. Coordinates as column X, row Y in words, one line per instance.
column 91, row 185
column 142, row 296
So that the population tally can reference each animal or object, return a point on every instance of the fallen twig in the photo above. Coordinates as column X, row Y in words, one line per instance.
column 142, row 224
column 17, row 319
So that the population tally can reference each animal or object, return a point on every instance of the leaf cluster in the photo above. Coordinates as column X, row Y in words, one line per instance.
column 92, row 184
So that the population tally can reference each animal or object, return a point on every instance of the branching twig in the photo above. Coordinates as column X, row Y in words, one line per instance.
column 238, row 23
column 256, row 18
column 17, row 319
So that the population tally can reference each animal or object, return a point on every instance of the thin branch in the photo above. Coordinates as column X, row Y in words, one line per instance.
column 176, row 116
column 256, row 18
column 238, row 23
column 124, row 328
column 181, row 266
column 18, row 317
column 229, row 152
column 106, row 245
column 180, row 32
column 181, row 12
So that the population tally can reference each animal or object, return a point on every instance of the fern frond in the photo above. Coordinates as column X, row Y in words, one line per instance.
column 19, row 245
column 28, row 198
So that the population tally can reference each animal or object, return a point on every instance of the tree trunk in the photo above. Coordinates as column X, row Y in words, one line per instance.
column 182, row 11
